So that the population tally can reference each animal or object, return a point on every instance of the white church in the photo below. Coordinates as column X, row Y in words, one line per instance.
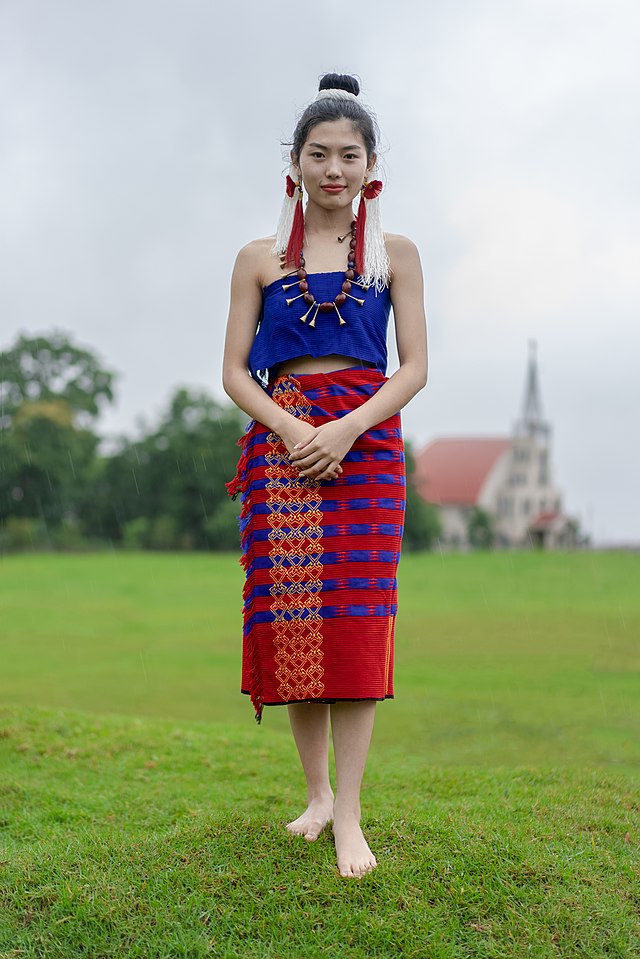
column 511, row 478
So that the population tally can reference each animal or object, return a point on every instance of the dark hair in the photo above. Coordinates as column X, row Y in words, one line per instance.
column 337, row 108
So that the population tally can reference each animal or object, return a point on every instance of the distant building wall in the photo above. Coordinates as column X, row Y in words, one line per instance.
column 526, row 490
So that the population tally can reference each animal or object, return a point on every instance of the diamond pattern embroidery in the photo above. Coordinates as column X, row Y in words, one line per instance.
column 295, row 539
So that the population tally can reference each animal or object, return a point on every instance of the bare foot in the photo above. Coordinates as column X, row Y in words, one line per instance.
column 310, row 824
column 355, row 859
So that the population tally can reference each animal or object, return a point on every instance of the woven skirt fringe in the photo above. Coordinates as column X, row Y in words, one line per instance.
column 320, row 557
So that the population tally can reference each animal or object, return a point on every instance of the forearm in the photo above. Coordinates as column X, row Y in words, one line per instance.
column 390, row 398
column 250, row 397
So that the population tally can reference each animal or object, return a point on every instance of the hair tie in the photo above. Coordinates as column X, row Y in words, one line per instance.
column 336, row 94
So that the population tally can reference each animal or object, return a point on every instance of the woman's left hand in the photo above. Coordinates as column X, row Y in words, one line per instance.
column 321, row 455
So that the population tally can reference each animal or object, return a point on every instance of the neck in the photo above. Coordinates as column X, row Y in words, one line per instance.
column 327, row 223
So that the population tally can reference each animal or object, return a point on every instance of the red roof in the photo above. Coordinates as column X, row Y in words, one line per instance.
column 543, row 519
column 453, row 471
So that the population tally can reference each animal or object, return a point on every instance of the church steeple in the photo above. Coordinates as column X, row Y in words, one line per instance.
column 531, row 422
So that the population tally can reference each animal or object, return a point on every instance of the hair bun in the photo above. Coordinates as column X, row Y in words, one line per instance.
column 340, row 81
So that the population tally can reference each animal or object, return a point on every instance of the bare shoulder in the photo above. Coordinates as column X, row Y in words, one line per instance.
column 402, row 251
column 257, row 259
column 397, row 243
column 403, row 254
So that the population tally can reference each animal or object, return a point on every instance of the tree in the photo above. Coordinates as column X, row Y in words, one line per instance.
column 49, row 392
column 45, row 460
column 422, row 525
column 52, row 368
column 178, row 470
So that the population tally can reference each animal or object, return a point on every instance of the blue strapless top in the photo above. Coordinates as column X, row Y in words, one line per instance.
column 282, row 336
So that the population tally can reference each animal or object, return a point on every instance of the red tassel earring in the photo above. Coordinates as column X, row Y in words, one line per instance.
column 370, row 190
column 290, row 229
column 296, row 237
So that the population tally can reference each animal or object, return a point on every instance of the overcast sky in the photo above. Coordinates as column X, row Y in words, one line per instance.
column 140, row 148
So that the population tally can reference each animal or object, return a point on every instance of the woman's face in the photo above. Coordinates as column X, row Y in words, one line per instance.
column 333, row 164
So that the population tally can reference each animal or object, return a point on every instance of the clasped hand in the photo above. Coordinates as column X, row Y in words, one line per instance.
column 320, row 451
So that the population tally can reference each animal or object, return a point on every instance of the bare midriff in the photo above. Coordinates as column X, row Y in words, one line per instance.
column 320, row 364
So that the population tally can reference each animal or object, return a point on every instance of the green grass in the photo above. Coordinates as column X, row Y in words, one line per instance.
column 503, row 658
column 151, row 838
column 142, row 809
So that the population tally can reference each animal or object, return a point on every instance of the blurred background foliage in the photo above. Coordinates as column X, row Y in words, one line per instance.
column 164, row 490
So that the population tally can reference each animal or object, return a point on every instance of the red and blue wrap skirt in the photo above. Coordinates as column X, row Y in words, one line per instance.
column 320, row 556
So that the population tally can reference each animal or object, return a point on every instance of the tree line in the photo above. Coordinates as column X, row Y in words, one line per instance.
column 164, row 490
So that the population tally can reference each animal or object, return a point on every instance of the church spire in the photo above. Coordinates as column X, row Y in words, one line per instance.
column 531, row 421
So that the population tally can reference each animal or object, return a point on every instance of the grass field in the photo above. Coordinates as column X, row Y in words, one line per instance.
column 501, row 658
column 143, row 809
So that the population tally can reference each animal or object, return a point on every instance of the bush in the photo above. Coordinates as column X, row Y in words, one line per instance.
column 163, row 533
column 480, row 530
column 23, row 533
column 69, row 536
column 136, row 533
column 422, row 526
column 222, row 527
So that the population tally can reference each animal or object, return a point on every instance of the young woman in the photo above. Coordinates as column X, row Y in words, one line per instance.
column 321, row 475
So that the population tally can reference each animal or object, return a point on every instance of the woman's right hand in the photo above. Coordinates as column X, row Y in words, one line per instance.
column 300, row 431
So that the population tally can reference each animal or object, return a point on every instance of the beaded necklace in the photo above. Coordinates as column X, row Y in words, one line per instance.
column 327, row 307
